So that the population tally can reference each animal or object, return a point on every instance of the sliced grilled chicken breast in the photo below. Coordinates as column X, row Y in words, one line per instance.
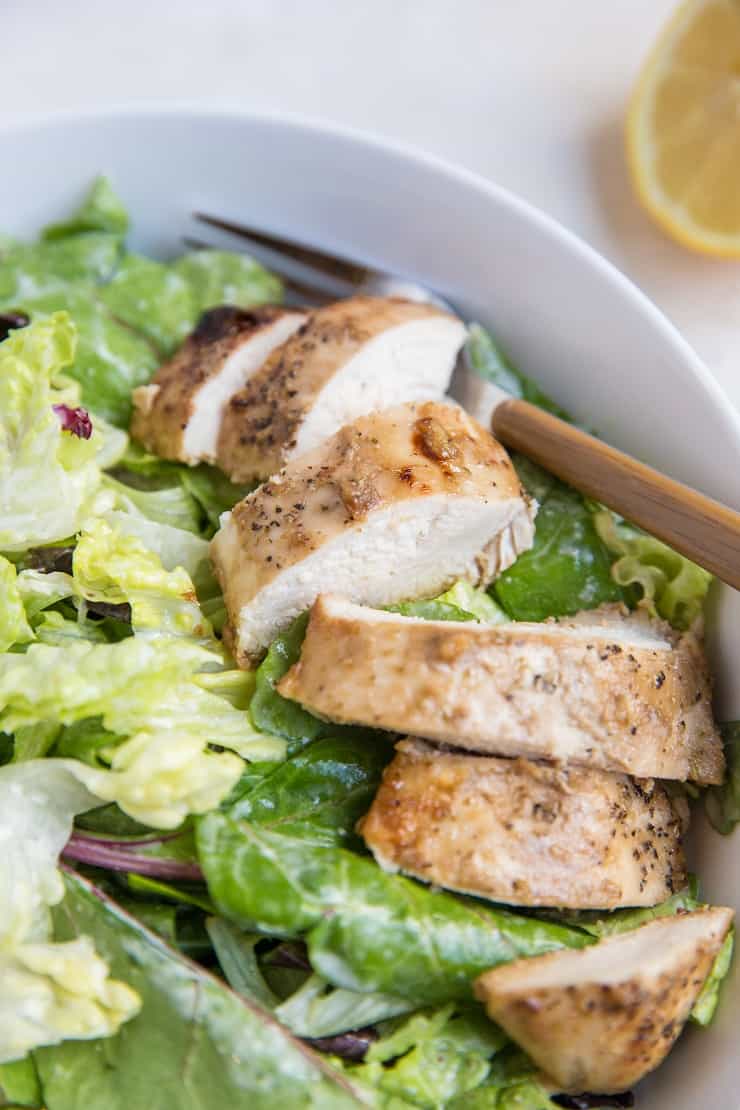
column 525, row 833
column 178, row 415
column 349, row 359
column 601, row 1018
column 605, row 689
column 397, row 505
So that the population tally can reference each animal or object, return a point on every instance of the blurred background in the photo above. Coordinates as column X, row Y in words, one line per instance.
column 529, row 93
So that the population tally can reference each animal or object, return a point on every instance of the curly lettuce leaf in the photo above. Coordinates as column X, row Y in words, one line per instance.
column 49, row 477
column 667, row 584
column 48, row 991
column 194, row 1042
column 366, row 930
column 722, row 803
column 100, row 210
column 14, row 626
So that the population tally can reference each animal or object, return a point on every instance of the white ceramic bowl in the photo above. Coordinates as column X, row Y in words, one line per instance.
column 564, row 314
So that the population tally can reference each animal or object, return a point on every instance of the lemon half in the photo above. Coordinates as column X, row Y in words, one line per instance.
column 683, row 128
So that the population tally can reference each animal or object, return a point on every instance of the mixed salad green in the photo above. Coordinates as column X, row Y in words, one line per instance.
column 215, row 934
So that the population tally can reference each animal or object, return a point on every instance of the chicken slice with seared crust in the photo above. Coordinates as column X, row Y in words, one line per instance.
column 178, row 415
column 601, row 1018
column 607, row 689
column 397, row 505
column 526, row 833
column 349, row 359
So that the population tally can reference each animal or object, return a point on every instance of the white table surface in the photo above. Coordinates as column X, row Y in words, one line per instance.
column 530, row 93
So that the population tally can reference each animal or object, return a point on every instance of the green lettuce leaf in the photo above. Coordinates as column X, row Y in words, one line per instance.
column 115, row 568
column 213, row 491
column 14, row 626
column 111, row 359
column 152, row 298
column 170, row 504
column 49, row 478
column 366, row 930
column 194, row 1042
column 667, row 584
column 48, row 991
column 100, row 210
column 433, row 1057
column 476, row 602
column 567, row 569
column 722, row 803
column 149, row 690
column 706, row 1004
column 175, row 547
column 29, row 272
column 223, row 277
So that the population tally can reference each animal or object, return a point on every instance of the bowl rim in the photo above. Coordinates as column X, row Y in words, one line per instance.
column 407, row 153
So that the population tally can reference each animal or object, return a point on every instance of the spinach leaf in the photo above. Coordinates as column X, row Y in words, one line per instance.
column 319, row 793
column 19, row 1084
column 272, row 713
column 489, row 361
column 722, row 803
column 365, row 929
column 150, row 297
column 567, row 569
column 195, row 1044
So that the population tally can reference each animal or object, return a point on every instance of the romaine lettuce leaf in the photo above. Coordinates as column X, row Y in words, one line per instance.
column 39, row 270
column 48, row 991
column 170, row 504
column 174, row 546
column 52, row 991
column 100, row 210
column 14, row 626
column 159, row 778
column 194, row 1043
column 366, row 930
column 49, row 477
column 224, row 277
column 668, row 584
column 111, row 359
column 147, row 690
column 152, row 298
column 113, row 567
column 722, row 803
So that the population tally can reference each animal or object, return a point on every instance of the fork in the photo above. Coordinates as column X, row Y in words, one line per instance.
column 695, row 525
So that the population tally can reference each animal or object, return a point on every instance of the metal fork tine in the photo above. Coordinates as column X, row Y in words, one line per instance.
column 342, row 268
column 301, row 289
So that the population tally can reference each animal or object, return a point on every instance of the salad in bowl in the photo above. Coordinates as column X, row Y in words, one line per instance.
column 345, row 759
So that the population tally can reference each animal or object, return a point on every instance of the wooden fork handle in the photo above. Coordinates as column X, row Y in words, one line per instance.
column 697, row 526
